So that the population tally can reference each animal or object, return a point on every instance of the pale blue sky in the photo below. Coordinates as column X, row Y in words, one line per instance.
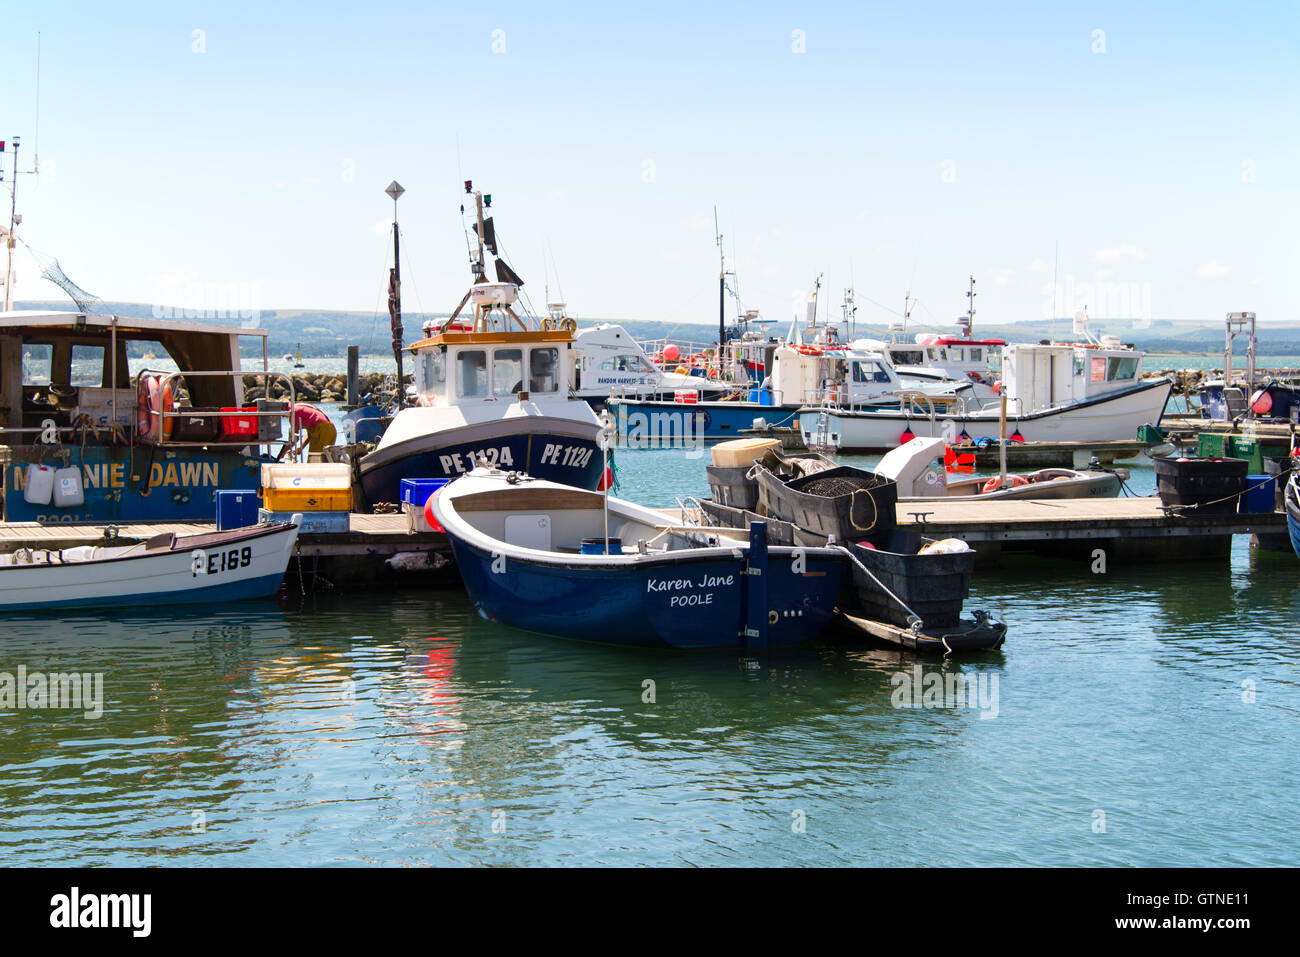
column 910, row 145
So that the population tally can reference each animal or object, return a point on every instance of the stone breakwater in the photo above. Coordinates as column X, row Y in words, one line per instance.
column 1188, row 381
column 327, row 387
column 315, row 386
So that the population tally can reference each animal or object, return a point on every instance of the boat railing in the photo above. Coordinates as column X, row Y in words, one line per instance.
column 164, row 435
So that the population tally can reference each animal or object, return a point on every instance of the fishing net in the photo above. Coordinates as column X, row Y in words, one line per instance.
column 835, row 486
column 86, row 302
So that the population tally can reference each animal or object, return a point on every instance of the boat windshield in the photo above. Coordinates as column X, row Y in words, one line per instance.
column 507, row 372
column 471, row 373
column 542, row 370
column 869, row 372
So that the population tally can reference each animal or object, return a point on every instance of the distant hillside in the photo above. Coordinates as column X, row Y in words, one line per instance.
column 327, row 334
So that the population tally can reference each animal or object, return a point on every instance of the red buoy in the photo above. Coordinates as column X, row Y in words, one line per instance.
column 428, row 515
column 907, row 436
column 1261, row 403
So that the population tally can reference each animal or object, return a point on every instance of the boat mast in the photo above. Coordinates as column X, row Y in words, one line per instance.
column 395, row 295
column 9, row 236
column 722, row 287
column 970, row 309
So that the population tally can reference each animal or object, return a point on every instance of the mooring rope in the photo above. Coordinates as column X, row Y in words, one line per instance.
column 914, row 620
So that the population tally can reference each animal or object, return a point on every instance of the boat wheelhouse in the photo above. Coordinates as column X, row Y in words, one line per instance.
column 491, row 384
column 154, row 445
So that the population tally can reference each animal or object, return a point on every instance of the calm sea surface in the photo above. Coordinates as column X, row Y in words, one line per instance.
column 1145, row 716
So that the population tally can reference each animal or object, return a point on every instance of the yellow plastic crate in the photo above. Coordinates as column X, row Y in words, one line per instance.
column 307, row 499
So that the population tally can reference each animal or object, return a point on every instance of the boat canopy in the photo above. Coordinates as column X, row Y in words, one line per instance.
column 40, row 346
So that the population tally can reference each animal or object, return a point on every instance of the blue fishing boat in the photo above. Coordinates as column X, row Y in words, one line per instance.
column 563, row 561
column 86, row 440
column 491, row 382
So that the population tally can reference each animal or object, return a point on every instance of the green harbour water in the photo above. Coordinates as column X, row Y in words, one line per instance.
column 1145, row 716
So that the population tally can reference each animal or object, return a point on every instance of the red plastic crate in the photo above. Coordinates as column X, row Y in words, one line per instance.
column 242, row 426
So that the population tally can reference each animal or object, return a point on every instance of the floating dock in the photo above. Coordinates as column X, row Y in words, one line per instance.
column 1126, row 529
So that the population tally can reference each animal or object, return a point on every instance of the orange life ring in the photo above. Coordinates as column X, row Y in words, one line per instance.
column 146, row 396
column 168, row 405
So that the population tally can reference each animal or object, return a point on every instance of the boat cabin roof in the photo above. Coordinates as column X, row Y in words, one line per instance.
column 127, row 326
column 520, row 337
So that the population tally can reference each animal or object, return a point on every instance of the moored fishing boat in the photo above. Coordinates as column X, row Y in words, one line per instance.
column 490, row 383
column 1293, row 511
column 167, row 569
column 562, row 561
column 1058, row 392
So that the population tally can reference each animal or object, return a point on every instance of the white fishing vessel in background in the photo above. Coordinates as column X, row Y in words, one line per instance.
column 610, row 362
column 1083, row 391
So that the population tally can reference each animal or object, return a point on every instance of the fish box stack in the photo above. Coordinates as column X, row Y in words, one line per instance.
column 321, row 491
column 729, row 474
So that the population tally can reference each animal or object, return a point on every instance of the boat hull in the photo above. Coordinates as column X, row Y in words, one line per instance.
column 218, row 568
column 1109, row 418
column 683, row 603
column 123, row 483
column 669, row 421
column 1293, row 514
column 558, row 450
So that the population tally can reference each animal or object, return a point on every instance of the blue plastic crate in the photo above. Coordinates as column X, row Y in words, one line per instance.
column 313, row 523
column 1259, row 497
column 236, row 509
column 417, row 491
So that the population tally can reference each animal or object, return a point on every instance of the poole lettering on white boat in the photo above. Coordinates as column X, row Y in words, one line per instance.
column 133, row 911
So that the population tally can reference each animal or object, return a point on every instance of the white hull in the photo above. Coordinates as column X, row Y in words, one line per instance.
column 1107, row 419
column 214, row 567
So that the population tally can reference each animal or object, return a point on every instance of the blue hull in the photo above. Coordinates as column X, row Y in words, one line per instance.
column 667, row 421
column 135, row 484
column 566, row 459
column 681, row 603
column 1293, row 527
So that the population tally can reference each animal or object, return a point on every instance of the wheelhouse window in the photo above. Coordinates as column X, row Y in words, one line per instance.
column 507, row 372
column 1121, row 367
column 976, row 355
column 435, row 373
column 869, row 372
column 631, row 363
column 544, row 370
column 471, row 374
column 38, row 361
column 87, row 366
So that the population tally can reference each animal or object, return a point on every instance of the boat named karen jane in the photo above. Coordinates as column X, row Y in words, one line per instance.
column 496, row 386
column 567, row 562
column 213, row 567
